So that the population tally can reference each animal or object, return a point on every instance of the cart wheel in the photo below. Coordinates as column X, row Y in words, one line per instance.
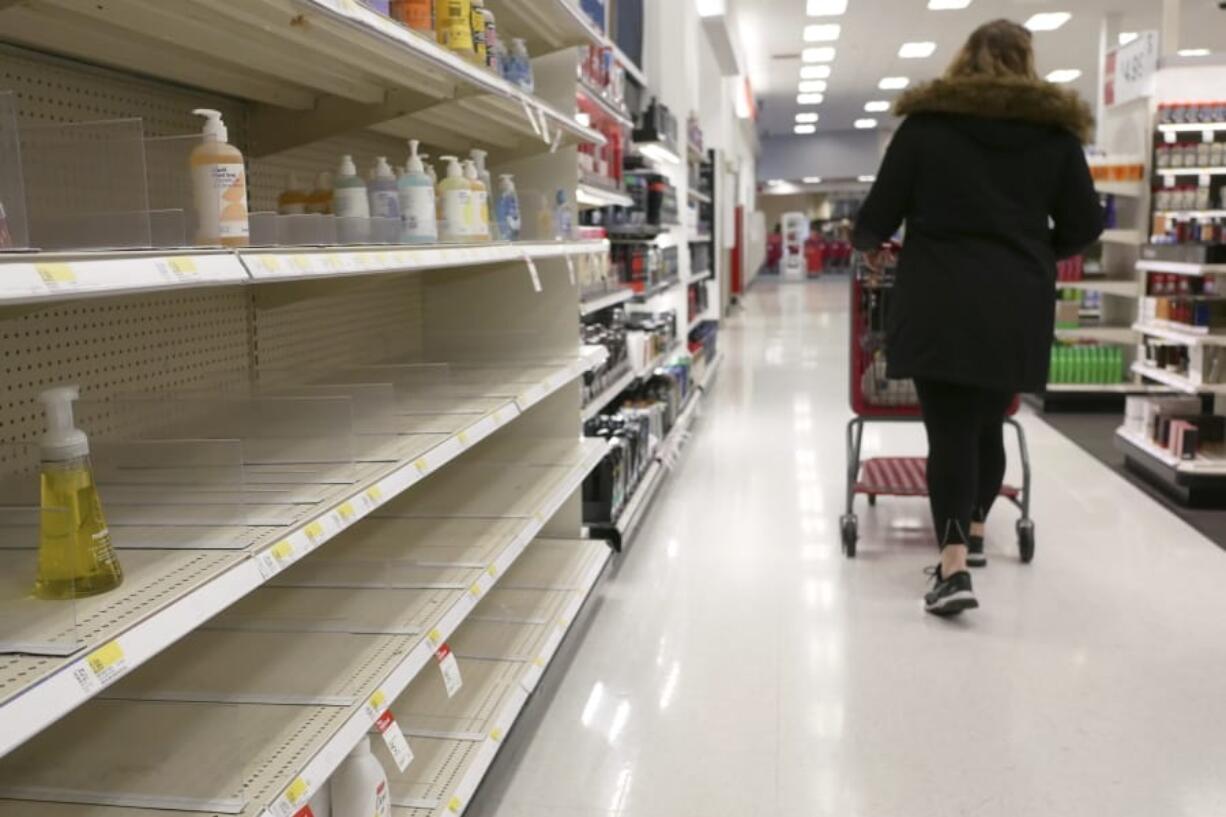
column 850, row 535
column 872, row 500
column 1025, row 540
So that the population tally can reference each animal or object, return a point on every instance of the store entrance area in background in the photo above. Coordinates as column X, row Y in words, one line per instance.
column 737, row 663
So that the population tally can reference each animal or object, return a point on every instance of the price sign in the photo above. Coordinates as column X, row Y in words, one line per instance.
column 287, row 805
column 530, row 116
column 1130, row 70
column 315, row 532
column 394, row 738
column 450, row 669
column 275, row 559
column 101, row 667
column 56, row 276
column 570, row 268
column 373, row 496
column 532, row 273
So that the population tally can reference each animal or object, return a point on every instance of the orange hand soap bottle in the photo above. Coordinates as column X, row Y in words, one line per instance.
column 219, row 179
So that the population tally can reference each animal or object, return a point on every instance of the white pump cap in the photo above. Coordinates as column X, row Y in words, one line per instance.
column 470, row 171
column 454, row 171
column 63, row 440
column 508, row 181
column 415, row 164
column 479, row 157
column 382, row 169
column 214, row 128
column 347, row 168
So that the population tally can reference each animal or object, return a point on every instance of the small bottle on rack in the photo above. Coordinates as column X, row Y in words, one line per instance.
column 455, row 196
column 384, row 194
column 292, row 202
column 319, row 200
column 418, row 212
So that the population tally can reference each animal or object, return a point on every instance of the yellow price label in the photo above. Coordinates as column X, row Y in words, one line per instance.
column 435, row 637
column 56, row 273
column 377, row 700
column 332, row 262
column 374, row 493
column 296, row 790
column 493, row 571
column 538, row 661
column 346, row 511
column 421, row 465
column 463, row 437
column 105, row 657
column 495, row 734
column 183, row 266
column 314, row 531
column 475, row 589
column 302, row 262
column 283, row 550
column 455, row 804
column 272, row 263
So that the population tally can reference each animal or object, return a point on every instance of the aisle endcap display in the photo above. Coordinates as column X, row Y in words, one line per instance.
column 1201, row 466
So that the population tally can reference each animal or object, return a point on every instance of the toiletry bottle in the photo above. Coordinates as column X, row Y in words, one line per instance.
column 477, row 16
column 453, row 20
column 75, row 556
column 491, row 42
column 562, row 220
column 384, row 193
column 418, row 211
column 359, row 786
column 349, row 191
column 293, row 201
column 321, row 803
column 416, row 14
column 478, row 157
column 522, row 65
column 319, row 200
column 219, row 180
column 455, row 196
column 479, row 207
column 508, row 209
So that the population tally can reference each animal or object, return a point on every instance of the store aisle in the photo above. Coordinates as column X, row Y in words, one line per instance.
column 735, row 663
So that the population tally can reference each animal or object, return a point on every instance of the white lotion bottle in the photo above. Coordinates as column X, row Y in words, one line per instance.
column 359, row 787
column 418, row 211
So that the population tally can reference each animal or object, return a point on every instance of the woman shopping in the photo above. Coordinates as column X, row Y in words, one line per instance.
column 988, row 173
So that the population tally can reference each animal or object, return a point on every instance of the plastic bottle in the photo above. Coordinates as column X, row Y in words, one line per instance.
column 75, row 555
column 219, row 181
column 478, row 157
column 384, row 192
column 479, row 204
column 321, row 803
column 477, row 15
column 455, row 201
column 521, row 65
column 453, row 20
column 293, row 201
column 416, row 14
column 359, row 786
column 319, row 200
column 562, row 220
column 418, row 211
column 349, row 192
column 491, row 41
column 508, row 209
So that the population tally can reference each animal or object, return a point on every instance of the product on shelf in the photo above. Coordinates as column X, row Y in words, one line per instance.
column 453, row 24
column 359, row 786
column 607, row 330
column 486, row 195
column 563, row 221
column 455, row 204
column 509, row 223
column 293, row 200
column 517, row 66
column 219, row 180
column 1176, row 424
column 383, row 192
column 1086, row 364
column 477, row 16
column 493, row 51
column 478, row 214
column 418, row 211
column 319, row 200
column 1183, row 301
column 1116, row 168
column 75, row 554
column 349, row 191
column 415, row 14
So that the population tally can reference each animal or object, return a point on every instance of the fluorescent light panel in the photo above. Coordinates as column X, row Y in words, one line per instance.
column 804, row 130
column 866, row 124
column 809, row 99
column 917, row 51
column 710, row 8
column 822, row 53
column 822, row 32
column 1194, row 52
column 812, row 86
column 877, row 106
column 893, row 83
column 813, row 179
column 806, row 118
column 815, row 72
column 827, row 8
column 948, row 5
column 868, row 179
column 1064, row 75
column 1048, row 20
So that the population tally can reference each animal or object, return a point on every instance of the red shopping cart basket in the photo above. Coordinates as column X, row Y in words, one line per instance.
column 876, row 398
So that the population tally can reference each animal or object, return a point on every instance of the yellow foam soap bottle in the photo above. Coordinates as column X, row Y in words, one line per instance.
column 219, row 180
column 454, row 24
column 478, row 203
column 75, row 554
column 455, row 199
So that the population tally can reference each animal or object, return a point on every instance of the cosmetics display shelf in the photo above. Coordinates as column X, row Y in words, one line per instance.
column 599, row 303
column 699, row 277
column 1204, row 465
column 1181, row 268
column 699, row 196
column 1121, row 289
column 546, row 25
column 1106, row 334
column 657, row 289
column 1130, row 237
column 597, row 403
column 610, row 109
column 1130, row 189
column 1177, row 381
column 44, row 277
column 289, row 54
column 592, row 195
column 160, row 604
column 1180, row 334
column 253, row 714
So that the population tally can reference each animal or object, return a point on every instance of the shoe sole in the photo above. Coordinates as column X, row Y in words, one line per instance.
column 976, row 561
column 953, row 604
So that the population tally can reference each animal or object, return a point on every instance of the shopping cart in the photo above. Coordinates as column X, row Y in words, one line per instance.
column 876, row 398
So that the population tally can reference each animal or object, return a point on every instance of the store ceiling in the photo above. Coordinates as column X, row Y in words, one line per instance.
column 873, row 31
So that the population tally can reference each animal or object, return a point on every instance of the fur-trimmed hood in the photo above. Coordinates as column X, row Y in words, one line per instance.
column 1024, row 100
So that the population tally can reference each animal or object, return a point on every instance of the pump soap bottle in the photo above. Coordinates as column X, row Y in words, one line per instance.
column 349, row 191
column 384, row 195
column 478, row 209
column 359, row 787
column 486, row 205
column 75, row 555
column 418, row 212
column 455, row 197
column 508, row 209
column 219, row 180
column 319, row 200
column 293, row 201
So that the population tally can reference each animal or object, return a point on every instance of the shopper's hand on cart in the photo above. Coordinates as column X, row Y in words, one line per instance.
column 877, row 260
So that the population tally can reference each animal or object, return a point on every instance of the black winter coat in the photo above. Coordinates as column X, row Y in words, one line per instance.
column 992, row 183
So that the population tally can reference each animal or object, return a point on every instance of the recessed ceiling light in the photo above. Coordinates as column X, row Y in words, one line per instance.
column 822, row 53
column 812, row 86
column 804, row 130
column 710, row 8
column 815, row 72
column 1194, row 52
column 877, row 106
column 917, row 51
column 806, row 118
column 948, row 5
column 775, row 181
column 894, row 83
column 813, row 179
column 1048, row 20
column 809, row 99
column 1128, row 36
column 827, row 8
column 865, row 124
column 868, row 179
column 1064, row 75
column 822, row 32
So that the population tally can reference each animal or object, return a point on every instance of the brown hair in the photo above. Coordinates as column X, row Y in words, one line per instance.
column 1001, row 48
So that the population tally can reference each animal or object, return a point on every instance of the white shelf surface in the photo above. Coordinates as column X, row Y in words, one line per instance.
column 597, row 303
column 597, row 403
column 606, row 105
column 1190, row 214
column 590, row 195
column 1121, row 289
column 1192, row 127
column 162, row 601
column 1130, row 237
column 546, row 25
column 701, row 276
column 1106, row 334
column 1105, row 388
column 1135, row 189
column 1180, row 334
column 698, row 196
column 1203, row 465
column 1191, row 171
column 1181, row 268
column 1177, row 381
column 208, row 736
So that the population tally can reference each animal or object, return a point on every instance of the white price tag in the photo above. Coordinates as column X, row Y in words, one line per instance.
column 530, row 116
column 544, row 122
column 556, row 142
column 532, row 273
column 101, row 667
column 394, row 738
column 450, row 669
column 177, row 269
column 275, row 559
column 1206, row 180
column 298, row 792
column 570, row 268
column 1208, row 135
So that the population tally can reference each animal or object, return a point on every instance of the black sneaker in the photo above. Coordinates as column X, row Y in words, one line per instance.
column 950, row 596
column 975, row 557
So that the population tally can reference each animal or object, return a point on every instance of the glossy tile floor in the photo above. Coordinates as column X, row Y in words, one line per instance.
column 734, row 663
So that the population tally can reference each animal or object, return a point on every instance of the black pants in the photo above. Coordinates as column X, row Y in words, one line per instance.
column 966, row 454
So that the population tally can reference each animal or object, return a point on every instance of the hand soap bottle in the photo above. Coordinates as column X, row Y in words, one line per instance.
column 359, row 787
column 219, row 181
column 384, row 194
column 349, row 191
column 508, row 209
column 478, row 209
column 418, row 212
column 319, row 200
column 293, row 201
column 455, row 201
column 478, row 157
column 75, row 555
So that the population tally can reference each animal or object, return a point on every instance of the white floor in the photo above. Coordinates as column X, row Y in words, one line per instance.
column 735, row 663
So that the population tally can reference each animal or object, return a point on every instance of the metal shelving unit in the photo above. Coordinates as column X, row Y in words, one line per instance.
column 599, row 303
